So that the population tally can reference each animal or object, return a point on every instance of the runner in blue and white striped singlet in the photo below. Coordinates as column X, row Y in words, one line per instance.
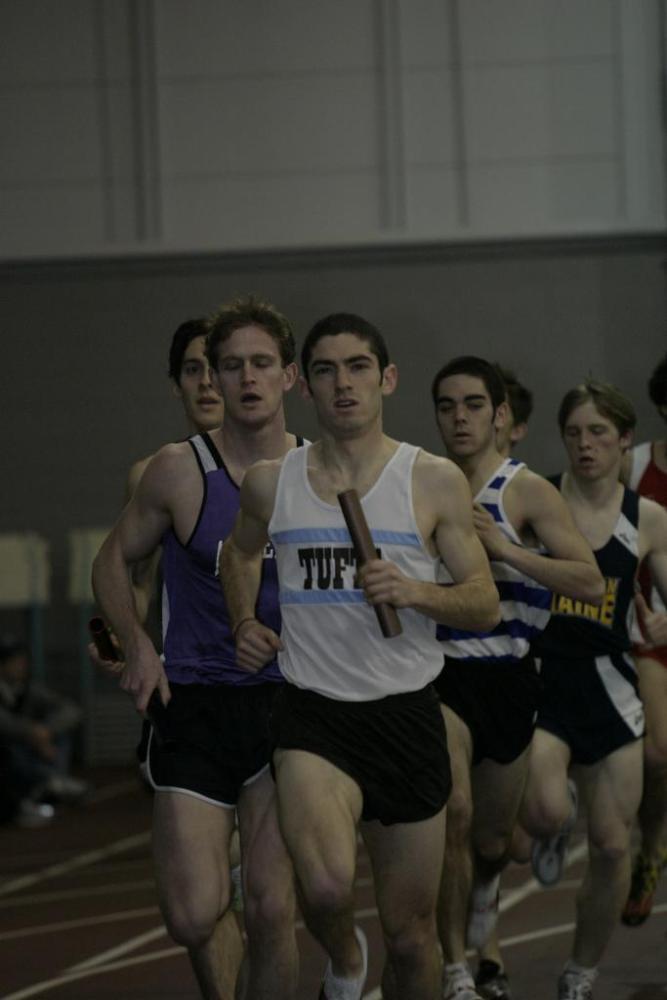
column 524, row 603
column 489, row 686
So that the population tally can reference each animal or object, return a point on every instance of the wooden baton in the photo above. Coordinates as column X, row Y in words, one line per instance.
column 357, row 525
column 99, row 633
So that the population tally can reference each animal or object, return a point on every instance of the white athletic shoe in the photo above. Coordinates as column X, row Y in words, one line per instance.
column 483, row 912
column 573, row 985
column 458, row 984
column 548, row 853
column 334, row 988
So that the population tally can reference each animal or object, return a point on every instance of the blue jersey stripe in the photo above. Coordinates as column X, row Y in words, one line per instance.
column 380, row 537
column 515, row 628
column 494, row 511
column 322, row 597
column 515, row 590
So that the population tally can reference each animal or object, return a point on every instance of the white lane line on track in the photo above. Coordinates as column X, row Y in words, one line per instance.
column 531, row 885
column 113, row 888
column 69, row 925
column 79, row 861
column 95, row 961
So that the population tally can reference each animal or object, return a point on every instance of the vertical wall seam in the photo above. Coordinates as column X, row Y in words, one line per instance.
column 102, row 83
column 459, row 136
column 618, row 98
column 393, row 196
column 148, row 200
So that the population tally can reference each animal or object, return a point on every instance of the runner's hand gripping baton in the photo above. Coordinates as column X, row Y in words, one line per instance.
column 357, row 525
column 99, row 633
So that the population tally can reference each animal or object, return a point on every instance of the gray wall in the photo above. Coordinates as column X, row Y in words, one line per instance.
column 170, row 126
column 84, row 367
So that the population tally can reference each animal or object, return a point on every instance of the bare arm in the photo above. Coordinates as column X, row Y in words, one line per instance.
column 443, row 501
column 135, row 536
column 241, row 567
column 653, row 546
column 570, row 568
column 144, row 572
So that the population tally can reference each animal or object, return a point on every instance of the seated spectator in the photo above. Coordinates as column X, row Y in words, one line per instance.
column 36, row 727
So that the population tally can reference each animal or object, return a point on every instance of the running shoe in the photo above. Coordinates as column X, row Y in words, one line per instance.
column 334, row 988
column 458, row 984
column 645, row 877
column 483, row 913
column 492, row 982
column 575, row 986
column 548, row 853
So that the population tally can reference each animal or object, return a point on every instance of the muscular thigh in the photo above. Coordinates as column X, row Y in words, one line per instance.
column 319, row 808
column 191, row 847
column 407, row 865
column 497, row 791
column 264, row 855
column 459, row 744
column 546, row 785
column 612, row 792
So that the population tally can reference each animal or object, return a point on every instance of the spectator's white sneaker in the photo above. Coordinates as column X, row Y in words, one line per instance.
column 65, row 788
column 33, row 814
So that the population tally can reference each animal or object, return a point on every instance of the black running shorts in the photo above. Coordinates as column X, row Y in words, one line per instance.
column 395, row 748
column 498, row 702
column 210, row 741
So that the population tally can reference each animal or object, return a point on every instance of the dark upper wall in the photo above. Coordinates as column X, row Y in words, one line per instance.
column 85, row 387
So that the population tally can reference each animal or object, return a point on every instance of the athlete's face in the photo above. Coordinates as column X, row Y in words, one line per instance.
column 202, row 403
column 467, row 421
column 593, row 443
column 346, row 385
column 251, row 376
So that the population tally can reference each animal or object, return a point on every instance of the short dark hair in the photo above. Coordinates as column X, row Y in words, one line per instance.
column 607, row 399
column 519, row 398
column 247, row 310
column 337, row 323
column 179, row 344
column 469, row 364
column 657, row 384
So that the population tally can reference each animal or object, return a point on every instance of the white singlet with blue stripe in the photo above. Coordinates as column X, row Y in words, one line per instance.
column 332, row 641
column 524, row 603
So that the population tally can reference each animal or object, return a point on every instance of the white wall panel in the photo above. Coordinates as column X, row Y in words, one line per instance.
column 49, row 134
column 535, row 30
column 428, row 112
column 367, row 121
column 57, row 220
column 46, row 41
column 434, row 200
column 425, row 33
column 272, row 210
column 533, row 112
column 246, row 126
column 518, row 200
column 259, row 38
